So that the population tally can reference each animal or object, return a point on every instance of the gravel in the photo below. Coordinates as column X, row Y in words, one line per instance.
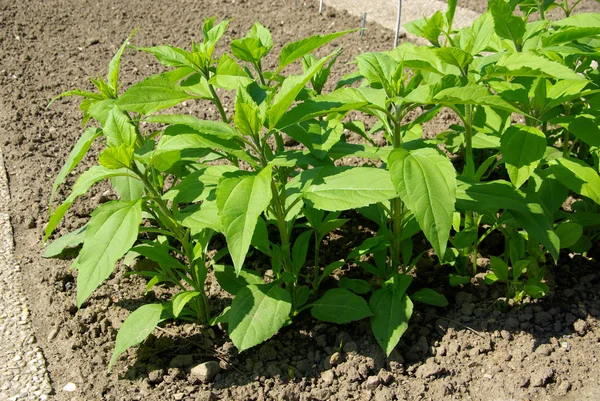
column 23, row 374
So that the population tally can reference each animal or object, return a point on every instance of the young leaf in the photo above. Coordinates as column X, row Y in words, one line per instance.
column 583, row 126
column 91, row 176
column 355, row 285
column 111, row 232
column 391, row 313
column 118, row 129
column 247, row 114
column 348, row 188
column 300, row 249
column 241, row 199
column 151, row 95
column 233, row 282
column 181, row 299
column 116, row 158
column 77, row 153
column 171, row 56
column 426, row 182
column 455, row 57
column 430, row 297
column 318, row 136
column 340, row 306
column 507, row 25
column 214, row 128
column 128, row 188
column 499, row 268
column 568, row 233
column 531, row 65
column 293, row 51
column 138, row 325
column 257, row 313
column 522, row 149
column 577, row 176
column 229, row 74
column 489, row 196
column 378, row 69
column 70, row 240
column 113, row 67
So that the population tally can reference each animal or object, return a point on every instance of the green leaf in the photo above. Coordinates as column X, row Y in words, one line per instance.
column 290, row 88
column 589, row 20
column 472, row 94
column 241, row 199
column 115, row 63
column 229, row 74
column 317, row 135
column 426, row 182
column 160, row 253
column 480, row 34
column 450, row 13
column 507, row 25
column 391, row 312
column 577, row 176
column 116, row 158
column 293, row 51
column 455, row 57
column 170, row 56
column 568, row 233
column 489, row 196
column 91, row 176
column 430, row 297
column 345, row 188
column 531, row 65
column 257, row 313
column 499, row 268
column 138, row 325
column 128, row 188
column 70, row 240
column 300, row 249
column 151, row 95
column 583, row 126
column 233, row 282
column 111, row 232
column 181, row 299
column 378, row 69
column 247, row 114
column 355, row 285
column 200, row 217
column 522, row 149
column 340, row 306
column 214, row 128
column 77, row 153
column 118, row 129
column 197, row 85
column 538, row 226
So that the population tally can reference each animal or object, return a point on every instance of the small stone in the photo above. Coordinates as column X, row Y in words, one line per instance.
column 205, row 372
column 564, row 387
column 178, row 396
column 428, row 369
column 372, row 382
column 350, row 347
column 463, row 298
column 580, row 326
column 335, row 359
column 511, row 323
column 524, row 382
column 467, row 309
column 70, row 387
column 543, row 319
column 206, row 396
column 52, row 334
column 327, row 377
column 541, row 377
column 386, row 377
column 506, row 335
column 384, row 394
column 156, row 375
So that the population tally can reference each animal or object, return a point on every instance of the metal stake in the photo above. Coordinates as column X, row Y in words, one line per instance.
column 364, row 23
column 320, row 6
column 398, row 24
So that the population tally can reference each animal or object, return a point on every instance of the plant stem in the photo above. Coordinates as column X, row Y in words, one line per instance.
column 397, row 204
column 317, row 268
column 469, row 170
column 218, row 103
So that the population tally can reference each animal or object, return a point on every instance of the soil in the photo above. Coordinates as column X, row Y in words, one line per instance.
column 471, row 350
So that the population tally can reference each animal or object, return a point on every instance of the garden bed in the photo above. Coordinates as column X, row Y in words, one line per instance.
column 547, row 349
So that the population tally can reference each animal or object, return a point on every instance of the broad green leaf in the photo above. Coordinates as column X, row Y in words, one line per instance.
column 91, row 176
column 160, row 253
column 429, row 297
column 248, row 49
column 199, row 185
column 472, row 94
column 522, row 149
column 293, row 51
column 99, row 110
column 215, row 128
column 391, row 312
column 170, row 56
column 345, row 188
column 355, row 285
column 450, row 13
column 538, row 226
column 378, row 69
column 112, row 77
column 290, row 88
column 77, row 153
column 128, row 188
column 455, row 57
column 317, row 135
column 531, row 65
column 568, row 233
column 426, row 182
column 570, row 35
column 229, row 74
column 111, row 232
column 433, row 28
column 588, row 20
column 118, row 129
column 507, row 25
column 577, row 176
column 200, row 217
column 340, row 306
column 241, row 199
column 138, row 325
column 549, row 190
column 481, row 34
column 583, row 126
column 257, row 313
column 500, row 268
column 489, row 196
column 233, row 282
column 247, row 114
column 181, row 299
column 300, row 249
column 339, row 101
column 197, row 85
column 70, row 240
column 116, row 158
column 151, row 95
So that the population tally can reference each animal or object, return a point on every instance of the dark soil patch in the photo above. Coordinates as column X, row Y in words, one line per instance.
column 469, row 351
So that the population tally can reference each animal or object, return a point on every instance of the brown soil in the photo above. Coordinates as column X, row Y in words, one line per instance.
column 545, row 350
